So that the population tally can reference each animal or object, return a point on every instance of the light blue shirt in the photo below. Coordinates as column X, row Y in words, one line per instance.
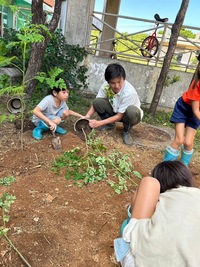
column 49, row 109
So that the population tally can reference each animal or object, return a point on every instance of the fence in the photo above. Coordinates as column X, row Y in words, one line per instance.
column 127, row 46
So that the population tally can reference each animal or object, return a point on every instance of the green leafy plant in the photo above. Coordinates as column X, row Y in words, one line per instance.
column 4, row 81
column 51, row 78
column 169, row 81
column 96, row 165
column 69, row 58
column 161, row 118
column 6, row 200
column 26, row 36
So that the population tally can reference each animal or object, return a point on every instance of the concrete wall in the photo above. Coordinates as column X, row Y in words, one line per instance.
column 142, row 77
column 14, row 74
column 78, row 21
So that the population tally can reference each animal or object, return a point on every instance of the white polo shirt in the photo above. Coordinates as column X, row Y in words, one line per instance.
column 127, row 96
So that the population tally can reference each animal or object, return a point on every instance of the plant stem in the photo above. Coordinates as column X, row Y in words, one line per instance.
column 119, row 170
column 87, row 149
column 16, row 250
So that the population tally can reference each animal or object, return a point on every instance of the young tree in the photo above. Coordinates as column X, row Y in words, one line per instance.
column 171, row 48
column 38, row 49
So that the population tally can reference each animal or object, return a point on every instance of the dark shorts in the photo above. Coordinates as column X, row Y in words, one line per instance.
column 183, row 113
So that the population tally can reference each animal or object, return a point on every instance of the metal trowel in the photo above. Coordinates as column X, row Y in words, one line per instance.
column 56, row 142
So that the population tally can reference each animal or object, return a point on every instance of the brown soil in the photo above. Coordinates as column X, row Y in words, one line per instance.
column 55, row 223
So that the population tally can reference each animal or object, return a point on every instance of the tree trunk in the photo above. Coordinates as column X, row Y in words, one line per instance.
column 38, row 49
column 170, row 52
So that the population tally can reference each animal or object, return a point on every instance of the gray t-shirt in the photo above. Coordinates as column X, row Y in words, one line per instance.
column 49, row 109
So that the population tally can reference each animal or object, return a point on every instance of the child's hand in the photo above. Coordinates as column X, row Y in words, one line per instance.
column 52, row 126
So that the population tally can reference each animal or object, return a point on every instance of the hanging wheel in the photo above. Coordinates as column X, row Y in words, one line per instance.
column 149, row 46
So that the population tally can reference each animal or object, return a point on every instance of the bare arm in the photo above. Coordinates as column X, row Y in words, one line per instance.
column 73, row 113
column 112, row 119
column 37, row 112
column 145, row 199
column 90, row 112
column 195, row 109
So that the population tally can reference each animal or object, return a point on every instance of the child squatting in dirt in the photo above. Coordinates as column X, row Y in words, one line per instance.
column 116, row 101
column 51, row 112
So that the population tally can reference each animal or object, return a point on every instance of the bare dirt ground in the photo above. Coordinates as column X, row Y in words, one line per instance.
column 55, row 223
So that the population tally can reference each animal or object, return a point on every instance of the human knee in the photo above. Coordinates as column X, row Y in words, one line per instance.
column 133, row 115
column 65, row 114
column 99, row 104
column 178, row 141
column 102, row 105
column 57, row 121
column 188, row 145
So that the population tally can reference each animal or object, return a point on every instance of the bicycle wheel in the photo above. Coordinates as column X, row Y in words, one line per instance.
column 149, row 46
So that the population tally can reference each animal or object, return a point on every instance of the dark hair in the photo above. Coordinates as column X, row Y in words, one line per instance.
column 114, row 70
column 57, row 89
column 172, row 174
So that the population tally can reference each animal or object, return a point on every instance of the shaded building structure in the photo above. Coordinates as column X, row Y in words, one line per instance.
column 15, row 21
column 75, row 23
column 77, row 28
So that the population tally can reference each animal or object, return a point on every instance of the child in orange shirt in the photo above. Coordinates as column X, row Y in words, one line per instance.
column 186, row 119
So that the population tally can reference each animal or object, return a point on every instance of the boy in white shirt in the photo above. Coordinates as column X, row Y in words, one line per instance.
column 116, row 101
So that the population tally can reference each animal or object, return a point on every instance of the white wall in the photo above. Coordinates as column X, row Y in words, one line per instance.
column 142, row 77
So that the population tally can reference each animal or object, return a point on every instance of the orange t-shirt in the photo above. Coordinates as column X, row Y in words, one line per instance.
column 192, row 93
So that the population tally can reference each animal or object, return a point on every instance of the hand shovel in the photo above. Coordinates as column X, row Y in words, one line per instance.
column 56, row 142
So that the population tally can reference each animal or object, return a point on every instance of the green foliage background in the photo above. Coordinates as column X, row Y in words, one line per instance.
column 67, row 57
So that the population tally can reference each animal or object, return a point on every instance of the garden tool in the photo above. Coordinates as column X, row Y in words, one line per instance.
column 56, row 142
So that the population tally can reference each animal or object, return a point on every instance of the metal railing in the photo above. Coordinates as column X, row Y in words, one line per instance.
column 127, row 46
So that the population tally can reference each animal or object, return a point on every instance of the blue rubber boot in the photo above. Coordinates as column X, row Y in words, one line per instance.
column 37, row 131
column 186, row 156
column 60, row 130
column 125, row 222
column 170, row 154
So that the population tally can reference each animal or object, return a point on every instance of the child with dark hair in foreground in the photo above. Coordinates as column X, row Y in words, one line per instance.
column 163, row 228
column 51, row 111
